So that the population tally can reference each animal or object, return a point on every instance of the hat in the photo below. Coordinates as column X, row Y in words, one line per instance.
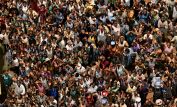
column 159, row 102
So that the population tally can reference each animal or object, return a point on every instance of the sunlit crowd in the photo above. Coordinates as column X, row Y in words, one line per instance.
column 89, row 53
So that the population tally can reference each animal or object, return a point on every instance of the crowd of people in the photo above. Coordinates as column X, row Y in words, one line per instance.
column 90, row 53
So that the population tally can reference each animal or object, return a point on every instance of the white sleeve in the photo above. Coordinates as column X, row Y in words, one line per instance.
column 174, row 39
column 166, row 24
column 159, row 23
column 145, row 36
column 23, row 89
column 151, row 36
column 174, row 13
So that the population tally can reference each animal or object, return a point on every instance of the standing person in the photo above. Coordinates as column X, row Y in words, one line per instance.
column 42, row 14
column 15, row 65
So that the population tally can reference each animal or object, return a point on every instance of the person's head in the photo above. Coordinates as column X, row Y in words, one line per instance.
column 131, row 84
column 3, row 31
column 122, row 38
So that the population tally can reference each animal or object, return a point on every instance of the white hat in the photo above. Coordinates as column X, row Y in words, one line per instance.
column 159, row 102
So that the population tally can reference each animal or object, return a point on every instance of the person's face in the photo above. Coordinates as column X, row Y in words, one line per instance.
column 3, row 32
column 121, row 39
column 42, row 7
column 168, row 44
column 18, row 83
column 144, row 11
column 131, row 85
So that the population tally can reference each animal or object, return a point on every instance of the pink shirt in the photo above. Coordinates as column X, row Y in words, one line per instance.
column 40, row 88
column 168, row 49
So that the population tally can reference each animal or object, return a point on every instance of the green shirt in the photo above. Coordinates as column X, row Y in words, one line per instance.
column 6, row 79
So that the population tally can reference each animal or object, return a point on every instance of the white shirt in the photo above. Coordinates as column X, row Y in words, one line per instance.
column 83, row 85
column 69, row 47
column 92, row 89
column 145, row 36
column 24, row 9
column 103, row 18
column 91, row 20
column 92, row 2
column 174, row 39
column 127, row 2
column 88, row 82
column 20, row 90
column 162, row 24
column 174, row 12
column 116, row 29
column 44, row 2
column 154, row 1
column 137, row 100
column 156, row 82
column 15, row 62
column 120, row 70
column 62, row 43
column 71, row 7
column 2, row 36
column 110, row 13
column 50, row 53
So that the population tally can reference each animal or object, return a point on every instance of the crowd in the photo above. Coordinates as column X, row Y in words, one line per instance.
column 90, row 53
